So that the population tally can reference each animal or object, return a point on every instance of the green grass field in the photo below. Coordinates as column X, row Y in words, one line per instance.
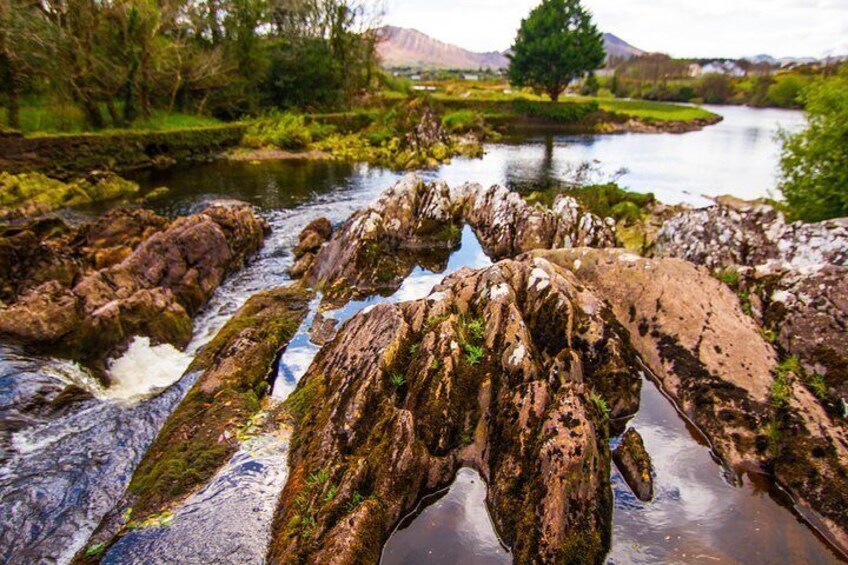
column 67, row 118
column 644, row 109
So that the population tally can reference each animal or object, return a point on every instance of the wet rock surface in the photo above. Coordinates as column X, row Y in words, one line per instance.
column 48, row 249
column 634, row 463
column 152, row 290
column 417, row 222
column 202, row 432
column 498, row 369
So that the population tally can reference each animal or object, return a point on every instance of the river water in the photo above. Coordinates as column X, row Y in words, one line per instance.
column 61, row 471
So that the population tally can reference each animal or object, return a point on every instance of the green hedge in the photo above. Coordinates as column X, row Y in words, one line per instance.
column 558, row 113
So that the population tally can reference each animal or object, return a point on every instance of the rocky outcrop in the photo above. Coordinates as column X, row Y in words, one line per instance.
column 237, row 368
column 691, row 332
column 634, row 463
column 48, row 249
column 504, row 369
column 415, row 222
column 712, row 359
column 313, row 236
column 153, row 292
column 793, row 273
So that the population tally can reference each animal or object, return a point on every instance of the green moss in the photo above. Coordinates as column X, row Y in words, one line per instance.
column 301, row 400
column 729, row 276
column 203, row 431
column 35, row 193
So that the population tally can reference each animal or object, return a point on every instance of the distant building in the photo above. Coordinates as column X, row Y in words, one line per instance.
column 471, row 77
column 727, row 68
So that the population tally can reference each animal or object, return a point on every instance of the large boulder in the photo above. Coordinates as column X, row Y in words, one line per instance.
column 416, row 222
column 794, row 274
column 49, row 249
column 635, row 466
column 503, row 369
column 714, row 362
column 153, row 291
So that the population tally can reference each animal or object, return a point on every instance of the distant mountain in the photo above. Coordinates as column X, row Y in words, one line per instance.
column 617, row 48
column 404, row 47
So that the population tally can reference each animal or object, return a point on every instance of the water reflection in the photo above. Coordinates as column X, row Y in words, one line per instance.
column 453, row 529
column 696, row 515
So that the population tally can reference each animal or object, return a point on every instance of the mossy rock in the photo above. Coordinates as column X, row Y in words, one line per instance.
column 201, row 434
column 34, row 193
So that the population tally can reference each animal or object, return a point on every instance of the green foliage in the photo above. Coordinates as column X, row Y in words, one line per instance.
column 590, row 86
column 599, row 402
column 774, row 436
column 627, row 212
column 560, row 112
column 817, row 385
column 476, row 329
column 814, row 162
column 464, row 121
column 781, row 387
column 714, row 88
column 729, row 276
column 785, row 92
column 397, row 380
column 473, row 354
column 556, row 43
column 355, row 500
column 286, row 131
column 95, row 549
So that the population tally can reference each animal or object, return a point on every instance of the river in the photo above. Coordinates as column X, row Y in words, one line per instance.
column 60, row 472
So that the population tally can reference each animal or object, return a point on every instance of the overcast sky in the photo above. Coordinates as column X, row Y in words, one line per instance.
column 683, row 28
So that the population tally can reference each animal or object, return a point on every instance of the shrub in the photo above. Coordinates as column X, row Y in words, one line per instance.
column 473, row 354
column 286, row 131
column 463, row 121
column 814, row 162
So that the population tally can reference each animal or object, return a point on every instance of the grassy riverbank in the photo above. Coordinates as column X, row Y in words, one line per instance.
column 397, row 132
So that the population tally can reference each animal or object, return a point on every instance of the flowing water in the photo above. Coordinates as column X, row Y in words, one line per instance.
column 63, row 465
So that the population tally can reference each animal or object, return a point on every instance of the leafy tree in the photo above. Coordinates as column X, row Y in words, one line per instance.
column 714, row 88
column 814, row 162
column 785, row 92
column 556, row 43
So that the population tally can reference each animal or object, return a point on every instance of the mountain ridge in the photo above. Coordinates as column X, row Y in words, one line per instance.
column 407, row 47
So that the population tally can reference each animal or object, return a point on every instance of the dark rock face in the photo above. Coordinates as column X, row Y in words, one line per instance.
column 415, row 222
column 153, row 291
column 499, row 369
column 635, row 465
column 48, row 249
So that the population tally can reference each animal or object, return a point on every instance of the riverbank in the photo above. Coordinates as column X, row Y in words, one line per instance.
column 397, row 133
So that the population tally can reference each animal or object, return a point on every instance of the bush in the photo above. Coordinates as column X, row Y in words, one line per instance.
column 714, row 88
column 286, row 131
column 814, row 162
column 464, row 121
column 785, row 92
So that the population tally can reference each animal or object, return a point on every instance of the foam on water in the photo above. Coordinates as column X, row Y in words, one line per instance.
column 145, row 367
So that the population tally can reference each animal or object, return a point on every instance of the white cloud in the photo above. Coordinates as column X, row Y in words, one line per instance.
column 732, row 28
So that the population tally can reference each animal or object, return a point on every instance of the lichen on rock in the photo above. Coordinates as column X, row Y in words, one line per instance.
column 29, row 194
column 416, row 222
